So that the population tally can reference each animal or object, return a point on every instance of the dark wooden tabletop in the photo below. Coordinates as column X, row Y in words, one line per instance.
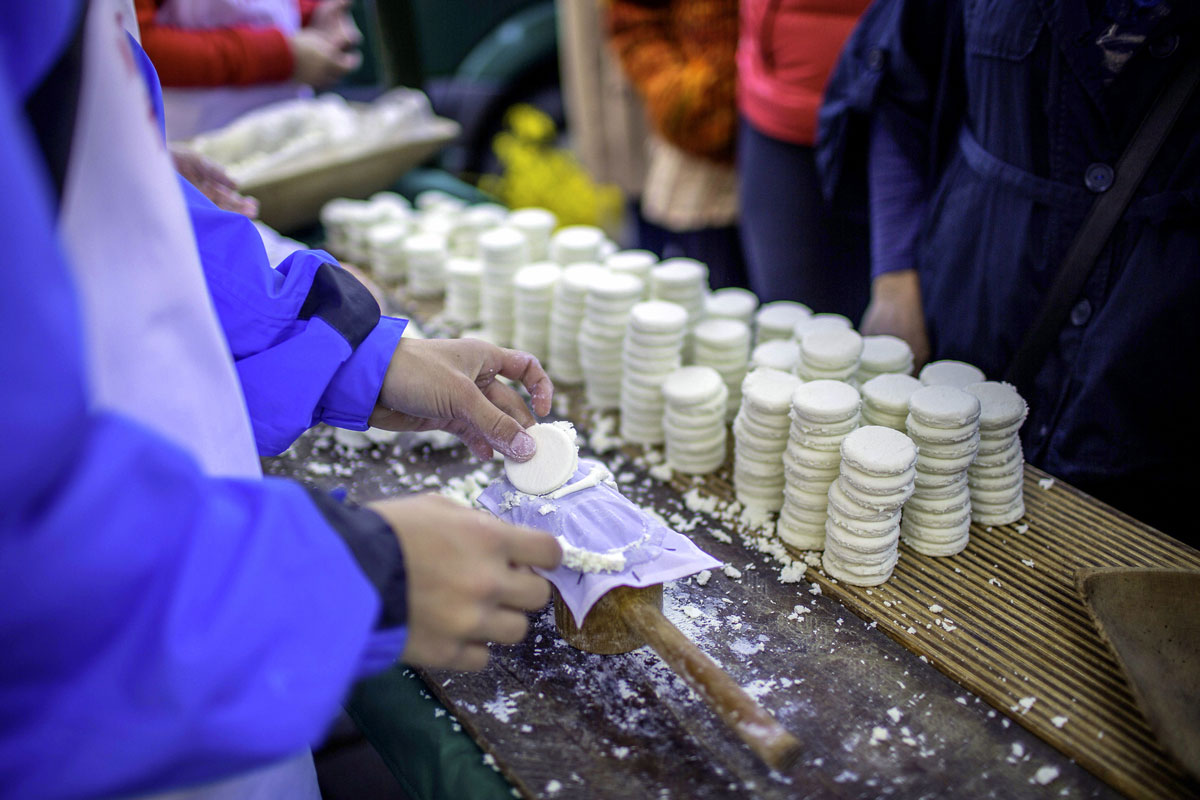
column 876, row 720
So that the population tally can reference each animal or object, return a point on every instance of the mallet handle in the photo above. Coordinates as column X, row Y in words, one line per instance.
column 766, row 737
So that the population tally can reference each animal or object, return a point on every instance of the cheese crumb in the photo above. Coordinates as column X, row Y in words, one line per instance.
column 895, row 714
column 692, row 612
column 1046, row 483
column 553, row 787
column 935, row 608
column 1058, row 722
column 703, row 576
column 1045, row 775
column 879, row 734
column 731, row 571
column 793, row 572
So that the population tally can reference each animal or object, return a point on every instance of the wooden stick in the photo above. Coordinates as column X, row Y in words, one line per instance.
column 778, row 748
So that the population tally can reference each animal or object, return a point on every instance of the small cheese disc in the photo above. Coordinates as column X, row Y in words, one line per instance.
column 553, row 464
column 951, row 373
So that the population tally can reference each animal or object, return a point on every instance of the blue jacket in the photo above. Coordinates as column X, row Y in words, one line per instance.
column 1011, row 113
column 161, row 627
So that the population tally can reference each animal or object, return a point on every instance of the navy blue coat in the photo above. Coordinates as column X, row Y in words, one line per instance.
column 1012, row 113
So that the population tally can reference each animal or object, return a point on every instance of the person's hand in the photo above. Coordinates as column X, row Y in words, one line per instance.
column 318, row 60
column 451, row 385
column 332, row 18
column 212, row 181
column 896, row 309
column 469, row 581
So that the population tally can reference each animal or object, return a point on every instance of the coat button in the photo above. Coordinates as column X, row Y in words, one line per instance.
column 1081, row 313
column 1164, row 47
column 876, row 58
column 1098, row 177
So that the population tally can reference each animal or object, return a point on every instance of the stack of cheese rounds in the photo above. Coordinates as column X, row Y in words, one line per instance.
column 760, row 434
column 653, row 350
column 464, row 290
column 780, row 354
column 820, row 322
column 358, row 220
column 534, row 291
column 337, row 216
column 874, row 481
column 694, row 420
column 997, row 474
column 829, row 355
column 778, row 320
column 885, row 400
column 577, row 244
column 950, row 373
column 471, row 223
column 732, row 303
column 425, row 258
column 386, row 244
column 635, row 262
column 883, row 355
column 537, row 224
column 823, row 414
column 503, row 251
column 683, row 281
column 607, row 305
column 944, row 422
column 566, row 318
column 724, row 345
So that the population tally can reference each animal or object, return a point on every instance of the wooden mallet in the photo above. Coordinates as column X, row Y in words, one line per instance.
column 626, row 618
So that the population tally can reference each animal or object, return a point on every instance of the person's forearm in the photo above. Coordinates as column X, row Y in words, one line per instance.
column 897, row 203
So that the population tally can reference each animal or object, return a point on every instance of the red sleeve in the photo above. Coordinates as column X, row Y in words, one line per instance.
column 236, row 56
column 307, row 7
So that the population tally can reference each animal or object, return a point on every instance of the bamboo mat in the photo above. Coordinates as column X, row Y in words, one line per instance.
column 1004, row 620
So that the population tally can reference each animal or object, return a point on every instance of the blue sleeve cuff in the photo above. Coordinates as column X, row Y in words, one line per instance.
column 383, row 649
column 354, row 390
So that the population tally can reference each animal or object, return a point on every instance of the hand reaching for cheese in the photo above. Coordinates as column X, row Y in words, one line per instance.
column 469, row 581
column 451, row 385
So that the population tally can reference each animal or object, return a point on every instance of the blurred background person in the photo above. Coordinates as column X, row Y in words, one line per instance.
column 680, row 58
column 218, row 59
column 796, row 246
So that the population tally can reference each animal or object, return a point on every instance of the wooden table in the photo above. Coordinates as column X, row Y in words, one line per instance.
column 877, row 719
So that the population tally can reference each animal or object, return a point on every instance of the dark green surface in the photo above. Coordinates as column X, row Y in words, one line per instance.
column 421, row 743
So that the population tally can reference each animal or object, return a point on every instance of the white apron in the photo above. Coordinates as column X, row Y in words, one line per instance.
column 154, row 349
column 193, row 111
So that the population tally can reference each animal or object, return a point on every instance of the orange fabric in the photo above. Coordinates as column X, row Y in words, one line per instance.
column 238, row 56
column 680, row 58
column 786, row 52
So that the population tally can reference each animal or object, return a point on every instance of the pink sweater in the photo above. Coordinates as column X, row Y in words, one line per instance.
column 786, row 50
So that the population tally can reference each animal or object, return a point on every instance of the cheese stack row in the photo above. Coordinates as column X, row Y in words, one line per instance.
column 607, row 305
column 533, row 287
column 829, row 354
column 537, row 224
column 464, row 290
column 882, row 355
column 780, row 354
column 683, row 281
column 760, row 434
column 566, row 318
column 944, row 422
column 503, row 251
column 823, row 414
column 732, row 303
column 778, row 320
column 652, row 351
column 577, row 244
column 425, row 260
column 385, row 242
column 638, row 263
column 874, row 481
column 885, row 400
column 724, row 345
column 997, row 474
column 471, row 223
column 694, row 420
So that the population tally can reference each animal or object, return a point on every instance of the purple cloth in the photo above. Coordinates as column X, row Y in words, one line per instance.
column 599, row 519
